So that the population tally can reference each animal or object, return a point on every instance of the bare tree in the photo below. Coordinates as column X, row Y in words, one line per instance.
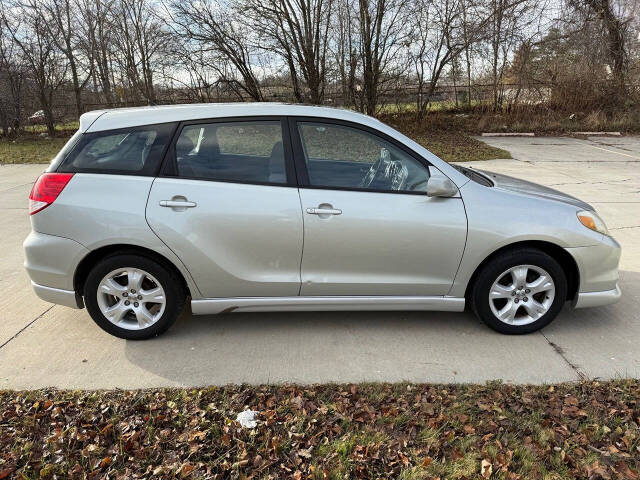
column 192, row 71
column 12, row 84
column 99, row 41
column 217, row 40
column 510, row 26
column 433, row 27
column 468, row 34
column 442, row 31
column 381, row 36
column 297, row 31
column 63, row 20
column 139, row 42
column 615, row 28
column 346, row 52
column 46, row 65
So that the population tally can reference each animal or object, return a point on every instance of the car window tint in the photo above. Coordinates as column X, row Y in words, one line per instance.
column 232, row 151
column 346, row 157
column 133, row 150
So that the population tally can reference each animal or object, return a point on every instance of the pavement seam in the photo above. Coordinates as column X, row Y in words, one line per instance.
column 622, row 228
column 26, row 326
column 15, row 186
column 560, row 351
column 613, row 151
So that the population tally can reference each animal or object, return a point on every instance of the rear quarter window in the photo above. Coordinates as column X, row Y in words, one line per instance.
column 133, row 151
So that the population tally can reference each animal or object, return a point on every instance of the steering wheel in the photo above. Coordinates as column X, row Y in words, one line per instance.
column 372, row 173
column 397, row 174
column 392, row 172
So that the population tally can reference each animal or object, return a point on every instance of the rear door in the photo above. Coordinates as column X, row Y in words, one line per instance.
column 369, row 227
column 228, row 206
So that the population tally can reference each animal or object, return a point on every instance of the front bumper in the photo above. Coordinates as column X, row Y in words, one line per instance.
column 597, row 299
column 598, row 269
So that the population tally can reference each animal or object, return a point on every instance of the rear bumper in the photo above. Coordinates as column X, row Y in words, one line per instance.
column 51, row 261
column 597, row 299
column 68, row 298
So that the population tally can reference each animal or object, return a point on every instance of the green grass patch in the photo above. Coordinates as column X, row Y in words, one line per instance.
column 30, row 149
column 67, row 128
column 396, row 431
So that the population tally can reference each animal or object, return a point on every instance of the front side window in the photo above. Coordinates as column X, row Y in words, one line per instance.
column 135, row 150
column 249, row 152
column 346, row 157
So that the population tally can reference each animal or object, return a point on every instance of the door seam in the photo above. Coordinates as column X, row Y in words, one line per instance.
column 146, row 219
column 464, row 248
column 302, row 250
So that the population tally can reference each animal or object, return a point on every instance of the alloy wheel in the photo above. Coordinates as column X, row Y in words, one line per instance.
column 522, row 294
column 131, row 298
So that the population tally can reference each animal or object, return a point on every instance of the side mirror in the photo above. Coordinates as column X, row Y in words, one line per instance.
column 438, row 186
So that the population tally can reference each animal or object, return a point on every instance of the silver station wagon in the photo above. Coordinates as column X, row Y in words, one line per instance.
column 268, row 207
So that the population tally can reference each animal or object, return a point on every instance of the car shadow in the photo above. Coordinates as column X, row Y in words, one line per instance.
column 310, row 347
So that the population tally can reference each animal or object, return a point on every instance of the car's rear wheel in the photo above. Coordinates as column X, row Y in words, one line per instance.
column 519, row 291
column 133, row 297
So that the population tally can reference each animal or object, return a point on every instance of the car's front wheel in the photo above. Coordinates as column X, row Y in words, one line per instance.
column 519, row 291
column 132, row 296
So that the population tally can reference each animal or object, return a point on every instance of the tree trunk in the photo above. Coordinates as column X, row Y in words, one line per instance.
column 48, row 114
column 77, row 90
column 615, row 40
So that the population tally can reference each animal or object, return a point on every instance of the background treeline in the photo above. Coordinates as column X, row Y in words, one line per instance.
column 65, row 57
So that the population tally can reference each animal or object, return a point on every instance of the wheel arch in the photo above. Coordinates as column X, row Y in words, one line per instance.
column 564, row 258
column 85, row 265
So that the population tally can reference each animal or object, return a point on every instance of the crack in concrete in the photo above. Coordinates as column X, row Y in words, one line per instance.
column 622, row 228
column 560, row 351
column 567, row 183
column 26, row 326
column 588, row 162
column 614, row 145
column 16, row 186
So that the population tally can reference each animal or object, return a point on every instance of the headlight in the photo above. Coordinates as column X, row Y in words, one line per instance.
column 592, row 221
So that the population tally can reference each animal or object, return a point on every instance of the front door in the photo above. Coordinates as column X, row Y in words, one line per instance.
column 230, row 210
column 369, row 228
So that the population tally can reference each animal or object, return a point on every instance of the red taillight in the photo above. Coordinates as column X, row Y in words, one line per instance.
column 46, row 190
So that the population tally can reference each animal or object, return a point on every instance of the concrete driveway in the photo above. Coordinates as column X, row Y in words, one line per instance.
column 44, row 345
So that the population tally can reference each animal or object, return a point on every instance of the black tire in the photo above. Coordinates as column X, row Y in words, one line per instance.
column 479, row 296
column 172, row 285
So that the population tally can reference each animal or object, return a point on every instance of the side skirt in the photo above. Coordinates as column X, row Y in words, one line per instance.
column 209, row 306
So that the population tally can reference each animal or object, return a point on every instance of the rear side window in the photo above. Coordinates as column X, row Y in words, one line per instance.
column 133, row 151
column 247, row 151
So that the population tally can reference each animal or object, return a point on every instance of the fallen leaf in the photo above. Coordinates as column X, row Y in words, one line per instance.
column 185, row 470
column 486, row 469
column 6, row 472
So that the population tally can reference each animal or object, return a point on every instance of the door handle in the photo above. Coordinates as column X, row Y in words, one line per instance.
column 324, row 211
column 177, row 204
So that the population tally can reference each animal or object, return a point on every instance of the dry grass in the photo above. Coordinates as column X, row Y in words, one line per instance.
column 391, row 431
column 538, row 119
column 446, row 136
column 446, row 133
column 458, row 146
column 450, row 144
